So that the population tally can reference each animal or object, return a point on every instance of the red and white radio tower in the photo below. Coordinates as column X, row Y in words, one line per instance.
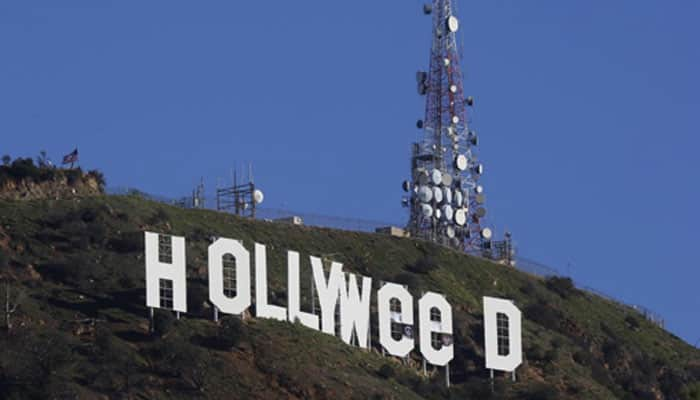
column 444, row 195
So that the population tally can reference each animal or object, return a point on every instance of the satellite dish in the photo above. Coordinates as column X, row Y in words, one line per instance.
column 438, row 214
column 425, row 194
column 453, row 88
column 455, row 119
column 427, row 210
column 447, row 212
column 460, row 217
column 450, row 231
column 404, row 202
column 486, row 233
column 421, row 76
column 447, row 62
column 406, row 186
column 447, row 194
column 481, row 212
column 419, row 124
column 452, row 23
column 479, row 169
column 436, row 176
column 480, row 199
column 437, row 194
column 461, row 162
column 479, row 189
column 446, row 179
column 258, row 196
column 427, row 9
column 458, row 199
column 470, row 101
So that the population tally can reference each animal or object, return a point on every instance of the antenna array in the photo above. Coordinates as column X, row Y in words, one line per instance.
column 444, row 196
column 240, row 198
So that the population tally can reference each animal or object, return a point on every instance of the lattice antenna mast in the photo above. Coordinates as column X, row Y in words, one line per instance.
column 445, row 198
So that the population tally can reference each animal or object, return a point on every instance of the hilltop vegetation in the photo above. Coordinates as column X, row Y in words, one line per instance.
column 75, row 270
column 25, row 179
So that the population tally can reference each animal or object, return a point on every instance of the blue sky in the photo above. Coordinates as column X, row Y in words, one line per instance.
column 587, row 113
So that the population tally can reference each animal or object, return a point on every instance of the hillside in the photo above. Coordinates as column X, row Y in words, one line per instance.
column 76, row 269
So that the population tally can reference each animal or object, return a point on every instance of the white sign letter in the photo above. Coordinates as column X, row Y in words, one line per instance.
column 173, row 272
column 426, row 304
column 262, row 308
column 307, row 319
column 217, row 250
column 398, row 348
column 328, row 293
column 503, row 334
column 354, row 311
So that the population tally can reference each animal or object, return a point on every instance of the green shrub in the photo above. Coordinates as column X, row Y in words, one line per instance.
column 23, row 168
column 158, row 217
column 128, row 242
column 386, row 371
column 541, row 391
column 163, row 322
column 197, row 296
column 423, row 265
column 545, row 315
column 564, row 287
column 98, row 176
column 231, row 332
column 632, row 322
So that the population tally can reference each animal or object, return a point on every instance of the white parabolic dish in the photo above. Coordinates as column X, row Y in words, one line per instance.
column 425, row 194
column 437, row 194
column 461, row 162
column 447, row 195
column 448, row 212
column 258, row 196
column 452, row 23
column 460, row 217
column 458, row 198
column 437, row 176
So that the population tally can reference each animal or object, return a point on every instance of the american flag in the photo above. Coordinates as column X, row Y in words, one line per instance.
column 71, row 157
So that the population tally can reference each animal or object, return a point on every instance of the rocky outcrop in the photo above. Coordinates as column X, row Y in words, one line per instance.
column 56, row 189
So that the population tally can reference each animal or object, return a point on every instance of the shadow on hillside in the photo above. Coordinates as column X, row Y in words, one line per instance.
column 128, row 301
column 134, row 336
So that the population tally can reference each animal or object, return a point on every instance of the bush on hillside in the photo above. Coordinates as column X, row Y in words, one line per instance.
column 128, row 242
column 163, row 322
column 424, row 265
column 25, row 169
column 231, row 332
column 158, row 217
column 386, row 371
column 98, row 177
column 541, row 391
column 545, row 315
column 564, row 287
column 197, row 296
